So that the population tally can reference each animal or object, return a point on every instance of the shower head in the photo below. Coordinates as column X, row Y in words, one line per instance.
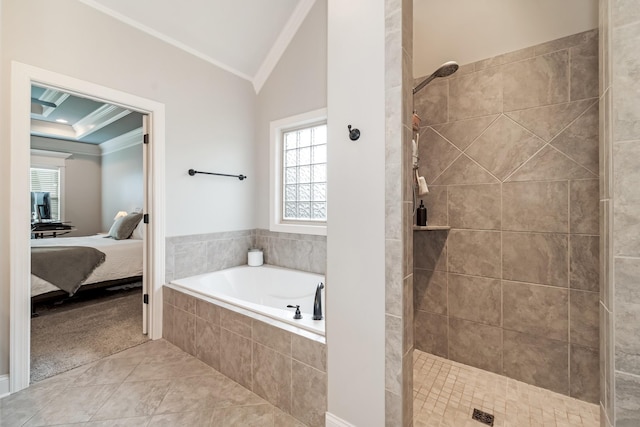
column 444, row 70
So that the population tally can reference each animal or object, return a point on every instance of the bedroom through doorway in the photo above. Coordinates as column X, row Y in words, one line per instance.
column 87, row 185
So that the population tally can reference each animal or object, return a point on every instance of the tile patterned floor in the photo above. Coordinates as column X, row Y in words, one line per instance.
column 445, row 393
column 153, row 384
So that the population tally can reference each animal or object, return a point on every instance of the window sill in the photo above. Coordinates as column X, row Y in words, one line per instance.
column 316, row 230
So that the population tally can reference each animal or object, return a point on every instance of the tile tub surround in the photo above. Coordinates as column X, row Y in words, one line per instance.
column 511, row 158
column 286, row 369
column 203, row 253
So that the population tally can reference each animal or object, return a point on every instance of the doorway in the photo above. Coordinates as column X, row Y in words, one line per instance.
column 23, row 77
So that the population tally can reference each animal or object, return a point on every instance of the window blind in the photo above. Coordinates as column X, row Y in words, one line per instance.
column 48, row 180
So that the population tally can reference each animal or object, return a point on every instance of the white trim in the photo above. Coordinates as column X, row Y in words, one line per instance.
column 334, row 421
column 98, row 119
column 54, row 96
column 52, row 154
column 22, row 76
column 282, row 42
column 47, row 129
column 275, row 175
column 66, row 146
column 163, row 37
column 121, row 142
column 4, row 385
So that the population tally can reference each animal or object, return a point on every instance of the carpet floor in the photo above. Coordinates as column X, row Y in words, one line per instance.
column 67, row 338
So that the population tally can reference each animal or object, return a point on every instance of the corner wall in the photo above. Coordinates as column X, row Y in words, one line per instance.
column 509, row 150
column 620, row 213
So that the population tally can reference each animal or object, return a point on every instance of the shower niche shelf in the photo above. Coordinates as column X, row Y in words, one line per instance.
column 430, row 227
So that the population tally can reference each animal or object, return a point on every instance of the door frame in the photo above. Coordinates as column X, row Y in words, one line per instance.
column 22, row 76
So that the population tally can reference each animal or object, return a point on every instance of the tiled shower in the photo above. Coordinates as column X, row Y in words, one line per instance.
column 509, row 149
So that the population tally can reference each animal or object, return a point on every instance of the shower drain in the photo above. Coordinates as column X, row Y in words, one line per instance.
column 483, row 417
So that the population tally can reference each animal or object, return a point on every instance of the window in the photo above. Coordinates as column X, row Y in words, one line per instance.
column 299, row 174
column 48, row 179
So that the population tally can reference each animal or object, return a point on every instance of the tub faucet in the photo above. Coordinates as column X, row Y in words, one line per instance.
column 317, row 303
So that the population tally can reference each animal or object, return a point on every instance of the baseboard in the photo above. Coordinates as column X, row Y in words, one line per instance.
column 4, row 385
column 333, row 421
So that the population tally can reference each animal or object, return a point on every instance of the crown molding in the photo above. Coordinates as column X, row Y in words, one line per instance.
column 121, row 142
column 55, row 96
column 157, row 34
column 47, row 129
column 282, row 42
column 98, row 119
column 64, row 146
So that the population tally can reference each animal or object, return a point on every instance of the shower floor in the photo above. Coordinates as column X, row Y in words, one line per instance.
column 446, row 392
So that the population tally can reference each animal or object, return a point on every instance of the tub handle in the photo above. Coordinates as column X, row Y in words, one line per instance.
column 298, row 315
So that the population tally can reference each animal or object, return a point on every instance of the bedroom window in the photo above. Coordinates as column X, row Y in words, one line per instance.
column 48, row 179
column 299, row 174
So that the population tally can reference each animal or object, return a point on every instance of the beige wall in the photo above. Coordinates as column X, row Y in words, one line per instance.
column 209, row 113
column 509, row 148
column 122, row 183
column 620, row 213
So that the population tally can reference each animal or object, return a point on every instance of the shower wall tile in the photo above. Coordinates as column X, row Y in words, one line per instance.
column 431, row 333
column 584, row 67
column 476, row 94
column 626, row 227
column 477, row 299
column 584, row 321
column 625, row 66
column 474, row 206
column 503, row 147
column 584, row 374
column 511, row 287
column 474, row 252
column 627, row 307
column 584, row 207
column 627, row 411
column 584, row 268
column 535, row 258
column 546, row 77
column 536, row 310
column 430, row 291
column 296, row 251
column 536, row 206
column 537, row 360
column 393, row 277
column 475, row 344
column 393, row 354
column 432, row 106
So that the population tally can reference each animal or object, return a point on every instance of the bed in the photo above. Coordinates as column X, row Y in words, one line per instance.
column 122, row 264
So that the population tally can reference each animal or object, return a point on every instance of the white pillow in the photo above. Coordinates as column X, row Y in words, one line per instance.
column 138, row 232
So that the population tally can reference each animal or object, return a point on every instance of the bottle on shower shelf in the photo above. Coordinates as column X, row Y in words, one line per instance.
column 421, row 215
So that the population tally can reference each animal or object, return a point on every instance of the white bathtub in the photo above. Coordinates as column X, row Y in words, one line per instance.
column 265, row 291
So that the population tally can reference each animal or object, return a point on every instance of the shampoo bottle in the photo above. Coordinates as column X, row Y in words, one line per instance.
column 421, row 215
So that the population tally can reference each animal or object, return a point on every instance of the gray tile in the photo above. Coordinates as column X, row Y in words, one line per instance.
column 549, row 120
column 430, row 291
column 626, row 227
column 185, row 331
column 477, row 299
column 235, row 322
column 462, row 133
column 436, row 203
column 474, row 252
column 475, row 206
column 431, row 333
column 536, row 360
column 584, row 68
column 408, row 315
column 182, row 419
column 605, row 147
column 430, row 250
column 518, row 55
column 627, row 310
column 133, row 399
column 311, row 352
column 584, row 263
column 475, row 344
column 190, row 259
column 235, row 357
column 606, row 253
column 476, row 94
column 185, row 302
column 436, row 154
column 208, row 311
column 536, row 206
column 549, row 164
column 108, row 371
column 584, row 376
column 627, row 405
column 393, row 276
column 626, row 80
column 272, row 376
column 536, row 310
column 253, row 415
column 535, row 258
column 465, row 171
column 393, row 354
column 407, row 389
column 579, row 140
column 431, row 103
column 168, row 322
column 270, row 336
column 503, row 147
column 309, row 391
column 393, row 409
column 624, row 12
column 584, row 215
column 584, row 310
column 546, row 77
column 208, row 343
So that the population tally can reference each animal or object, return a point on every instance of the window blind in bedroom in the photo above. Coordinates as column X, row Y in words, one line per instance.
column 48, row 180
